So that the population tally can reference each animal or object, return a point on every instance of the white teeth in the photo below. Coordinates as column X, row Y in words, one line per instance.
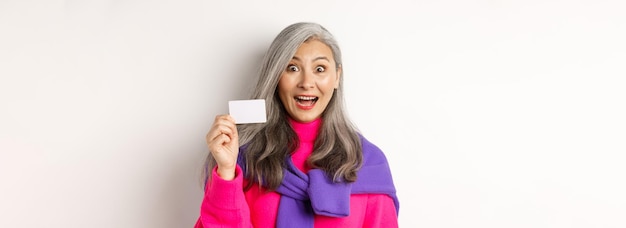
column 305, row 98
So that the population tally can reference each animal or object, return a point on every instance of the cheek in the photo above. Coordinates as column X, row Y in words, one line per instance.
column 283, row 88
column 282, row 84
column 329, row 84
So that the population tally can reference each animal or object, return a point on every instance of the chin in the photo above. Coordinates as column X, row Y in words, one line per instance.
column 304, row 119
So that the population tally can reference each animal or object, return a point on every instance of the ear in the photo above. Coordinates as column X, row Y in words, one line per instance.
column 338, row 77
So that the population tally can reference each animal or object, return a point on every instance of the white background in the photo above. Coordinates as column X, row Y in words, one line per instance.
column 491, row 113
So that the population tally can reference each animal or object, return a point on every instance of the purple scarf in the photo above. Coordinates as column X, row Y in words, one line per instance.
column 305, row 195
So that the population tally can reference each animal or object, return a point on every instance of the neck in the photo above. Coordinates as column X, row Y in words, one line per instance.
column 307, row 132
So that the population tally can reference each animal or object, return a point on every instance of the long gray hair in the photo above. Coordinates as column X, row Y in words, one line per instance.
column 337, row 149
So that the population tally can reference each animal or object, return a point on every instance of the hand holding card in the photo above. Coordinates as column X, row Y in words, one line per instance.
column 248, row 111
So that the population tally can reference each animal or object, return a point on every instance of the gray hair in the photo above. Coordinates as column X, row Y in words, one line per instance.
column 282, row 49
column 337, row 149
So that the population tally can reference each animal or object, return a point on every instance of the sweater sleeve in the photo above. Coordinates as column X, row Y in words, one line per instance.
column 224, row 204
column 380, row 212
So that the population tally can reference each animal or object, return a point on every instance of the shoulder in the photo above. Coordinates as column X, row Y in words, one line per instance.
column 371, row 152
column 374, row 176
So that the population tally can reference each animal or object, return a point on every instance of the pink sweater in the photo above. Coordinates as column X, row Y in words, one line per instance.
column 225, row 204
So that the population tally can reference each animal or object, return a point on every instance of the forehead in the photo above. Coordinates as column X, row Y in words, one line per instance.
column 314, row 49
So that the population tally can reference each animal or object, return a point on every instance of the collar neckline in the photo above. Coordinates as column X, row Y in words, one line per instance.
column 307, row 132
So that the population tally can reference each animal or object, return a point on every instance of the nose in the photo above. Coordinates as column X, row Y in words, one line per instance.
column 307, row 80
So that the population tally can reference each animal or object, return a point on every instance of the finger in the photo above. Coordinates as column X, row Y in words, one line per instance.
column 219, row 117
column 220, row 127
column 232, row 124
column 223, row 125
column 230, row 119
column 219, row 130
column 227, row 127
column 225, row 117
column 219, row 141
column 217, row 145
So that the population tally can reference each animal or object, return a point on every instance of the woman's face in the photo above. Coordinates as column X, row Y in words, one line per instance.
column 308, row 82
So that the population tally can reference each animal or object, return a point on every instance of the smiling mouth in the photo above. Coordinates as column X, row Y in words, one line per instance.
column 306, row 101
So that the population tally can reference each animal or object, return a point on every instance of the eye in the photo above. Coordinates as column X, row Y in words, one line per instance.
column 320, row 69
column 292, row 68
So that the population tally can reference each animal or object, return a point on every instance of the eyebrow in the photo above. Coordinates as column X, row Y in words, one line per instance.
column 318, row 58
